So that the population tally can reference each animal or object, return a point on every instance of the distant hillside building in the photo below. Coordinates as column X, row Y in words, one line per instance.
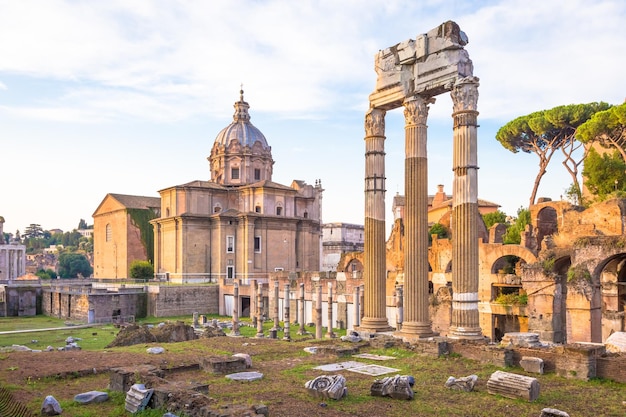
column 122, row 233
column 239, row 224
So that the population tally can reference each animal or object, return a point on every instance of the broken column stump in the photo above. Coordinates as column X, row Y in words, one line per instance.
column 513, row 386
column 532, row 364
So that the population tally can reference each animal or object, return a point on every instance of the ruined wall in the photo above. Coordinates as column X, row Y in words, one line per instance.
column 76, row 304
column 21, row 301
column 170, row 300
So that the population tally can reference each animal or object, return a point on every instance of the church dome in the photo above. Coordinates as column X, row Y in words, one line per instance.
column 240, row 154
column 241, row 129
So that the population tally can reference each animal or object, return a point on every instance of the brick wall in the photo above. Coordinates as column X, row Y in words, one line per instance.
column 170, row 300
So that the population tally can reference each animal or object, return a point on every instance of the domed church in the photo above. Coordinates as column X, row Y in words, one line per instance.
column 239, row 224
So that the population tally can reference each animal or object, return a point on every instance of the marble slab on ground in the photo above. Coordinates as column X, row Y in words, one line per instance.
column 373, row 357
column 245, row 376
column 359, row 367
column 373, row 370
column 340, row 366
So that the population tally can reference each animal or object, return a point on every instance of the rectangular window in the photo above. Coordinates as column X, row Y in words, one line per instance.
column 230, row 244
column 234, row 173
column 279, row 211
column 257, row 244
column 257, row 174
column 230, row 272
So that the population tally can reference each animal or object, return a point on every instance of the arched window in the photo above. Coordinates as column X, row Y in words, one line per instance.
column 108, row 232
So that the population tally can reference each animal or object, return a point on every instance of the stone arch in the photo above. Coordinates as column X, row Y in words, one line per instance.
column 547, row 223
column 610, row 276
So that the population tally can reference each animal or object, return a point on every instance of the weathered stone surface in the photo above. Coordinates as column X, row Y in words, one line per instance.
column 328, row 386
column 246, row 358
column 91, row 397
column 50, row 406
column 521, row 339
column 223, row 365
column 155, row 350
column 245, row 376
column 531, row 364
column 553, row 412
column 513, row 386
column 398, row 387
column 462, row 384
column 137, row 398
column 616, row 343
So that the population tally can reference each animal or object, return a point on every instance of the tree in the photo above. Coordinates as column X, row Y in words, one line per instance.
column 492, row 218
column 46, row 274
column 141, row 270
column 72, row 264
column 33, row 231
column 604, row 174
column 513, row 234
column 607, row 128
column 82, row 224
column 544, row 132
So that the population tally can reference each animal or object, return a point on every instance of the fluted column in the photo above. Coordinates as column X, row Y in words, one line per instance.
column 235, row 330
column 416, row 318
column 465, row 320
column 375, row 317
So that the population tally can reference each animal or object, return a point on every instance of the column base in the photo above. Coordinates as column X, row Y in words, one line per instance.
column 465, row 333
column 374, row 325
column 416, row 330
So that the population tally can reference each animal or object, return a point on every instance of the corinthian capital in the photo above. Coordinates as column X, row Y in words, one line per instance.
column 416, row 110
column 375, row 122
column 465, row 94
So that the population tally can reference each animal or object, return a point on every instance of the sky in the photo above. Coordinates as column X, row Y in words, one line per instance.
column 127, row 96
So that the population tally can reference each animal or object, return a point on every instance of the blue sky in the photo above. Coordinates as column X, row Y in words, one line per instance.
column 128, row 96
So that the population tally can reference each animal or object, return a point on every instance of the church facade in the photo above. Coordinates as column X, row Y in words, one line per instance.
column 239, row 224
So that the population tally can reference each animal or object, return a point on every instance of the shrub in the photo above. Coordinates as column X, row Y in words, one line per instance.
column 141, row 270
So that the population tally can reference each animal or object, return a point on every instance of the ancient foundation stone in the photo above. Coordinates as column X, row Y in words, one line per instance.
column 224, row 365
column 531, row 364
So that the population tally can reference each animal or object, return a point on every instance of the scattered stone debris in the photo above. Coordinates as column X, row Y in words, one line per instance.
column 462, row 384
column 616, row 343
column 328, row 386
column 553, row 412
column 399, row 387
column 91, row 397
column 155, row 350
column 352, row 337
column 50, row 406
column 532, row 364
column 513, row 386
column 137, row 398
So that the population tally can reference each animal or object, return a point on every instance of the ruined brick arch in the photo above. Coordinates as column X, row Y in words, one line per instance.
column 491, row 256
column 547, row 223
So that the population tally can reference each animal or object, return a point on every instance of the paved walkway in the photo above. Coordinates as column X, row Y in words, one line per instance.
column 80, row 326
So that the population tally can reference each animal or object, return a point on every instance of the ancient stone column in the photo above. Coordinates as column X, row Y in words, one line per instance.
column 287, row 335
column 253, row 307
column 276, row 309
column 329, row 333
column 301, row 330
column 416, row 323
column 465, row 321
column 356, row 304
column 375, row 317
column 399, row 307
column 259, row 312
column 318, row 311
column 235, row 329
